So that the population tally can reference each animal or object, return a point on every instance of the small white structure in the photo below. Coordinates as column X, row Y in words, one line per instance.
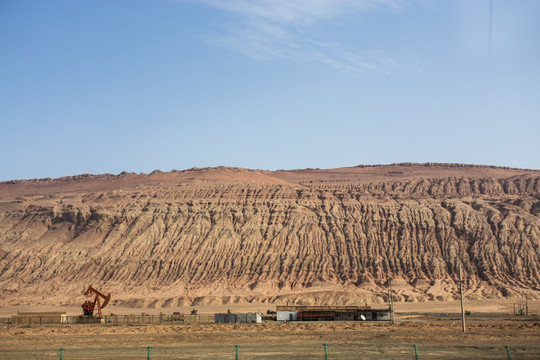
column 287, row 315
column 249, row 318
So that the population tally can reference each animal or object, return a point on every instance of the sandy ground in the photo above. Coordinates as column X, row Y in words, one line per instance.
column 488, row 334
column 500, row 306
column 346, row 340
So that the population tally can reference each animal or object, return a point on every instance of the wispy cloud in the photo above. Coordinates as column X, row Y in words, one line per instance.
column 281, row 29
column 298, row 11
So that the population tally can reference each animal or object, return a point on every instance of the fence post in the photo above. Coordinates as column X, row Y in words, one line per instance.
column 149, row 350
column 416, row 351
column 61, row 353
column 236, row 351
column 325, row 351
column 508, row 352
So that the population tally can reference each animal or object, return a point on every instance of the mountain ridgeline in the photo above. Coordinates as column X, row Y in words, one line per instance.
column 222, row 235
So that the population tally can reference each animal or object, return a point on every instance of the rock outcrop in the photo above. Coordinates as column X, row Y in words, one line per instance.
column 223, row 235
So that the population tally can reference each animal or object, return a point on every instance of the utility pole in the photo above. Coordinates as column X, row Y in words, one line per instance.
column 461, row 295
column 391, row 302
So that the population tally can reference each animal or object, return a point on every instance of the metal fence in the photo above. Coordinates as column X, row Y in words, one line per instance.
column 108, row 320
column 281, row 351
column 32, row 321
column 147, row 319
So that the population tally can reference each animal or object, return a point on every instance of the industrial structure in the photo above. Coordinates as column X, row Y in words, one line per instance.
column 250, row 318
column 101, row 300
column 330, row 313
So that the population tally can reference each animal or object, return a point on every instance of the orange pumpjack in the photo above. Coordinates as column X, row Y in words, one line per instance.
column 89, row 306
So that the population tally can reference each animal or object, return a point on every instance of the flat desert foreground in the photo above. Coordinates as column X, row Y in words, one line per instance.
column 435, row 336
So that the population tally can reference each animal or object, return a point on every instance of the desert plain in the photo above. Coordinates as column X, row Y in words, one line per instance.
column 434, row 327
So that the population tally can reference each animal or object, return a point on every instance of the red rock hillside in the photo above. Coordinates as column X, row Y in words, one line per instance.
column 221, row 235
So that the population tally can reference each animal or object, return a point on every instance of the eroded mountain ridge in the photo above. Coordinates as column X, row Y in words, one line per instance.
column 224, row 235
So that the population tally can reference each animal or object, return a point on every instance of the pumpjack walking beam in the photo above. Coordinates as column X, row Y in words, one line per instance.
column 97, row 300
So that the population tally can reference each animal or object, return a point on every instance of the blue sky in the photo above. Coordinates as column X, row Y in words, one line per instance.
column 103, row 86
